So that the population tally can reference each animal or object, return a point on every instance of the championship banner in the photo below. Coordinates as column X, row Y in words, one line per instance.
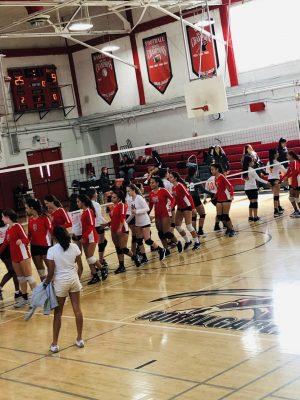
column 195, row 40
column 158, row 61
column 105, row 75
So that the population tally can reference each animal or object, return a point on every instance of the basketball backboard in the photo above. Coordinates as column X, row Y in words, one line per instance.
column 205, row 97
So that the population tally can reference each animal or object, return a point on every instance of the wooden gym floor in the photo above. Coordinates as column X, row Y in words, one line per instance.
column 187, row 345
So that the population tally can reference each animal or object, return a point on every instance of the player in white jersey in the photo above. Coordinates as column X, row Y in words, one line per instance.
column 274, row 170
column 210, row 186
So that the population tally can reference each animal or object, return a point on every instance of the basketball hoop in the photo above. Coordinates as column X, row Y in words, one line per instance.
column 203, row 108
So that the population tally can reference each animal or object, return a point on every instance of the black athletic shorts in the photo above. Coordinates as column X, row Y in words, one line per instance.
column 197, row 201
column 214, row 202
column 273, row 182
column 76, row 238
column 189, row 208
column 252, row 194
column 132, row 221
column 38, row 250
column 6, row 254
column 144, row 226
column 99, row 229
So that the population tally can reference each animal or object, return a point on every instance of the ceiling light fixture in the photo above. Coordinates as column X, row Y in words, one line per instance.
column 110, row 48
column 203, row 23
column 80, row 26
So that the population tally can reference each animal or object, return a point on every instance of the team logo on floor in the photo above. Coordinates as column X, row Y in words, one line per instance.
column 246, row 309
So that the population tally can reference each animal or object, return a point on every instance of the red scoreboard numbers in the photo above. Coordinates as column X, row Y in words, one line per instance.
column 34, row 88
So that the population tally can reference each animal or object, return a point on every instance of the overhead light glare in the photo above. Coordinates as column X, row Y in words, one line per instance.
column 111, row 48
column 80, row 26
column 203, row 23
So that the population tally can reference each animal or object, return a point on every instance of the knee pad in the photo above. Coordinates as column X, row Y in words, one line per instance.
column 119, row 251
column 41, row 272
column 133, row 239
column 21, row 279
column 169, row 235
column 226, row 217
column 202, row 216
column 30, row 279
column 255, row 205
column 149, row 242
column 161, row 235
column 173, row 225
column 220, row 217
column 91, row 260
column 190, row 228
column 125, row 250
column 292, row 199
column 179, row 229
column 101, row 247
column 194, row 218
column 140, row 241
column 276, row 198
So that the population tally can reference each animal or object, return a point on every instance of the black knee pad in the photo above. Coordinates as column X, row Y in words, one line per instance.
column 169, row 235
column 149, row 242
column 202, row 216
column 226, row 217
column 118, row 250
column 139, row 241
column 194, row 218
column 133, row 239
column 173, row 225
column 255, row 205
column 276, row 198
column 101, row 247
column 220, row 218
column 161, row 235
column 125, row 250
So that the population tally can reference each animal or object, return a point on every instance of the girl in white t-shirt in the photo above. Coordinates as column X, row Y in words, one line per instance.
column 62, row 271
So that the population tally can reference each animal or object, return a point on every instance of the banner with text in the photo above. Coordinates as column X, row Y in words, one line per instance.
column 105, row 75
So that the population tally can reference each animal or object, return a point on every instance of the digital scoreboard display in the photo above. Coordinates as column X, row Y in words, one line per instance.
column 34, row 88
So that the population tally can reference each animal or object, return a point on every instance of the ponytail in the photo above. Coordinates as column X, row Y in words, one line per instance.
column 62, row 237
column 87, row 202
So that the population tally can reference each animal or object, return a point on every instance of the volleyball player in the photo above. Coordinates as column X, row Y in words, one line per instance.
column 210, row 186
column 185, row 205
column 17, row 240
column 140, row 209
column 62, row 271
column 39, row 235
column 162, row 200
column 274, row 170
column 131, row 224
column 250, row 176
column 90, row 237
column 58, row 216
column 119, row 230
column 6, row 259
column 224, row 197
column 293, row 176
column 100, row 223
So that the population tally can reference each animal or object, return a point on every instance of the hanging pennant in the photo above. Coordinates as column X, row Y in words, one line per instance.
column 196, row 40
column 105, row 75
column 158, row 61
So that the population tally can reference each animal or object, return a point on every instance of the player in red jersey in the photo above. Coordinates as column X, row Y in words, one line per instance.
column 162, row 201
column 90, row 237
column 119, row 230
column 58, row 216
column 224, row 197
column 39, row 234
column 17, row 240
column 293, row 177
column 185, row 206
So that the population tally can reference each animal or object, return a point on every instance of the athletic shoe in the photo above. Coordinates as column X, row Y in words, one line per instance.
column 1, row 296
column 137, row 261
column 280, row 212
column 217, row 228
column 297, row 216
column 187, row 245
column 144, row 260
column 196, row 246
column 120, row 270
column 168, row 253
column 227, row 231
column 201, row 233
column 256, row 219
column 232, row 233
column 95, row 279
column 280, row 209
column 104, row 273
column 18, row 295
column 162, row 253
column 179, row 246
column 79, row 343
column 294, row 214
column 250, row 219
column 276, row 214
column 21, row 302
column 104, row 263
column 54, row 348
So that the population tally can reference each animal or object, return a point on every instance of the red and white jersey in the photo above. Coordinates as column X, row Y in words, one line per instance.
column 118, row 217
column 59, row 217
column 182, row 196
column 161, row 201
column 224, row 189
column 89, row 233
column 75, row 217
column 12, row 235
column 210, row 186
column 293, row 174
column 39, row 231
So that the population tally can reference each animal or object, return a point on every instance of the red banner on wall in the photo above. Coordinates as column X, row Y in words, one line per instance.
column 158, row 61
column 196, row 40
column 105, row 75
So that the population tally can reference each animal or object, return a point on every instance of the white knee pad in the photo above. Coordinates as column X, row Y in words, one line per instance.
column 179, row 229
column 21, row 279
column 92, row 260
column 190, row 227
column 41, row 272
column 292, row 199
column 30, row 279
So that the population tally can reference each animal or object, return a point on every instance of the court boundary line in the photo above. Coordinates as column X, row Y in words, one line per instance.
column 273, row 393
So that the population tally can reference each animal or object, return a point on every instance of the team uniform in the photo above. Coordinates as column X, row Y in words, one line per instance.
column 167, row 185
column 196, row 190
column 224, row 192
column 75, row 217
column 141, row 208
column 251, row 185
column 210, row 186
column 117, row 217
column 183, row 198
column 99, row 219
column 39, row 235
column 129, row 217
column 89, row 233
column 59, row 217
column 162, row 202
column 18, row 253
column 293, row 174
column 275, row 172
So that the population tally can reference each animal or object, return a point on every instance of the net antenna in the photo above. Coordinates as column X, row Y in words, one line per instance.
column 205, row 97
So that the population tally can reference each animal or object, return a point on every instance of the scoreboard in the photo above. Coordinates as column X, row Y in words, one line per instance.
column 34, row 88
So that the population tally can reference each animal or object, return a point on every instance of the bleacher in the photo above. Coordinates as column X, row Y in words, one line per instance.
column 176, row 161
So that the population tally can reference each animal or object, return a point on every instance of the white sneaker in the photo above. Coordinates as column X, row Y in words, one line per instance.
column 295, row 214
column 54, row 348
column 21, row 302
column 79, row 343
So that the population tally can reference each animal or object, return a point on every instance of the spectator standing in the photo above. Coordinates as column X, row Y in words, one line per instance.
column 282, row 150
column 221, row 158
column 209, row 156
